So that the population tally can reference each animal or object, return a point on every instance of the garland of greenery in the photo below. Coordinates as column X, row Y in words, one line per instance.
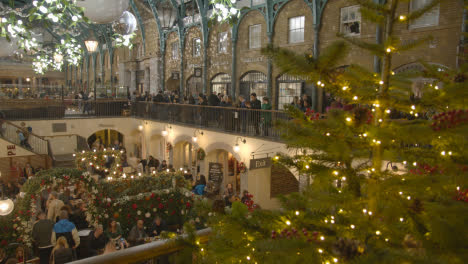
column 97, row 161
column 201, row 154
column 165, row 194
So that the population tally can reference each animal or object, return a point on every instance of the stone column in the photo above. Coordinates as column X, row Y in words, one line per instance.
column 133, row 81
column 20, row 86
column 154, row 76
column 304, row 181
column 147, row 80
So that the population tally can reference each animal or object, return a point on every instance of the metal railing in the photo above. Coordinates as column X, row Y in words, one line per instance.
column 248, row 122
column 32, row 142
column 147, row 252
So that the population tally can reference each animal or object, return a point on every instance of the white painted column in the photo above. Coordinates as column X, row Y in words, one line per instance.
column 133, row 80
column 147, row 80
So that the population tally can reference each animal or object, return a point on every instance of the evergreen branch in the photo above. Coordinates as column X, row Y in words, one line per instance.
column 372, row 15
column 420, row 12
column 376, row 49
column 414, row 44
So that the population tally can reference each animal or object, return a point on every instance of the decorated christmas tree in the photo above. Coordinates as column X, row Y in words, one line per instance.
column 388, row 171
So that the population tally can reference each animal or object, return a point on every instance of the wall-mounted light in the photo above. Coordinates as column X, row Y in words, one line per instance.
column 237, row 147
column 140, row 127
column 165, row 132
column 197, row 132
column 6, row 205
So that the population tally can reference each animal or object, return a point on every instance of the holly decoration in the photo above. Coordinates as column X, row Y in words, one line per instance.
column 462, row 195
column 450, row 119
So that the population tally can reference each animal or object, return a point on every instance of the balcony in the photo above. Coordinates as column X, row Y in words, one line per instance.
column 246, row 122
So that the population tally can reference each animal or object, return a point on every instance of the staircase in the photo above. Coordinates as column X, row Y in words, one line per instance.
column 36, row 144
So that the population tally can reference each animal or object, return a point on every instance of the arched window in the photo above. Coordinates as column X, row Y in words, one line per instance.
column 221, row 83
column 194, row 86
column 254, row 82
column 288, row 87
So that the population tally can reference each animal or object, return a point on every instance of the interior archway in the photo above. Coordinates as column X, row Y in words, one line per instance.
column 106, row 137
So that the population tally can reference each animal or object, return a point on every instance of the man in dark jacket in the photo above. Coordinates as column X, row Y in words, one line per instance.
column 137, row 235
column 255, row 104
column 41, row 234
column 67, row 229
column 98, row 241
column 159, row 98
column 157, row 227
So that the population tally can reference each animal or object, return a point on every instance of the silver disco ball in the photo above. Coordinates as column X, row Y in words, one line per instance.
column 126, row 24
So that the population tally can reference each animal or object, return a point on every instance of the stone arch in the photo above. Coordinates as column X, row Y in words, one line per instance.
column 186, row 138
column 244, row 14
column 109, row 136
column 223, row 146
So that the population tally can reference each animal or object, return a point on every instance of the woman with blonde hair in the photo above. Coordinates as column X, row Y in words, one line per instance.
column 61, row 253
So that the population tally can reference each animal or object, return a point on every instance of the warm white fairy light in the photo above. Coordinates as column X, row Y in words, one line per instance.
column 355, row 98
column 402, row 219
column 442, row 153
column 378, row 232
column 409, row 197
column 322, row 238
column 352, row 226
column 288, row 222
column 297, row 212
column 348, row 119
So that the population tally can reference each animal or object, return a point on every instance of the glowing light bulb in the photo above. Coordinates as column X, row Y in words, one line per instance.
column 164, row 133
column 364, row 211
column 327, row 134
column 288, row 222
column 415, row 163
column 322, row 238
column 348, row 119
column 402, row 18
column 377, row 232
column 442, row 153
column 355, row 98
column 320, row 250
column 389, row 50
column 402, row 219
column 409, row 197
column 307, row 166
column 381, row 82
column 297, row 212
column 335, row 260
column 352, row 226
column 450, row 153
column 345, row 88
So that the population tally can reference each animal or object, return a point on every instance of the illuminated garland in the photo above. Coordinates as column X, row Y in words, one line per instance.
column 63, row 18
column 97, row 160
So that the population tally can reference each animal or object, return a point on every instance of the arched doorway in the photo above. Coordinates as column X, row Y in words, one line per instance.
column 229, row 166
column 418, row 82
column 221, row 83
column 194, row 86
column 254, row 82
column 288, row 87
column 184, row 156
column 106, row 136
column 172, row 84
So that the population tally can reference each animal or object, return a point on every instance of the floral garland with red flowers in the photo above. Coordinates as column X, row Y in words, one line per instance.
column 201, row 154
column 241, row 167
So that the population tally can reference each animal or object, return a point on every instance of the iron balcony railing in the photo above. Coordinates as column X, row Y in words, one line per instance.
column 248, row 122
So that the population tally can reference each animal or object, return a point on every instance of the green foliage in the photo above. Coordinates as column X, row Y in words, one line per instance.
column 389, row 173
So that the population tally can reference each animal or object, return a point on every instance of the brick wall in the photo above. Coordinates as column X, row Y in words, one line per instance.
column 171, row 65
column 190, row 60
column 219, row 62
column 282, row 181
column 36, row 161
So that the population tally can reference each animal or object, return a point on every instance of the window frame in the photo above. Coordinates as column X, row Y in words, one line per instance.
column 258, row 38
column 352, row 34
column 175, row 50
column 290, row 29
column 223, row 44
column 196, row 47
column 414, row 24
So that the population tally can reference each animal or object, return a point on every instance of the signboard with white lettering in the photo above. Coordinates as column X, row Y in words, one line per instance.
column 215, row 172
column 260, row 163
column 11, row 150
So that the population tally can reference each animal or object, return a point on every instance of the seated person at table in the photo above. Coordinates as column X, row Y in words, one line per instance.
column 199, row 185
column 157, row 227
column 114, row 231
column 228, row 195
column 98, row 241
column 137, row 235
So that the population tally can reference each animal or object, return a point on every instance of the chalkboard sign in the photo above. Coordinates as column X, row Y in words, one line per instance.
column 215, row 173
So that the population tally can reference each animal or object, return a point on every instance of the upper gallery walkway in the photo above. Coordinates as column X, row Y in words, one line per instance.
column 242, row 121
